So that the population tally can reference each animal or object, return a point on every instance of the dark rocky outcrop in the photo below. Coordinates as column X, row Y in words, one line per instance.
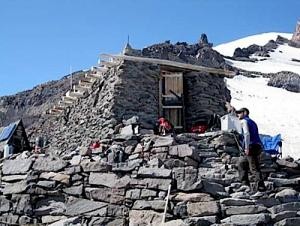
column 281, row 40
column 256, row 50
column 199, row 54
column 286, row 80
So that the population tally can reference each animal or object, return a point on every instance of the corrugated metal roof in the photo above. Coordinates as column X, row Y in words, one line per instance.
column 7, row 131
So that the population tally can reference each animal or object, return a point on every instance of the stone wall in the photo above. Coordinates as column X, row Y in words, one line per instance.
column 136, row 94
column 86, row 187
column 205, row 95
column 126, row 90
column 89, row 119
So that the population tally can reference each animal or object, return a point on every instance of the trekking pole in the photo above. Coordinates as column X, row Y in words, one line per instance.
column 238, row 145
column 166, row 205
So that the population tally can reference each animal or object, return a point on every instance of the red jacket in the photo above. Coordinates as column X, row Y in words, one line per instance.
column 165, row 123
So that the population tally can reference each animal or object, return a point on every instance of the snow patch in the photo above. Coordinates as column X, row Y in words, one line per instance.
column 227, row 49
column 279, row 60
column 273, row 109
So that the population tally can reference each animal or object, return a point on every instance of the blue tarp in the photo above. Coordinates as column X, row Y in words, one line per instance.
column 271, row 144
column 7, row 131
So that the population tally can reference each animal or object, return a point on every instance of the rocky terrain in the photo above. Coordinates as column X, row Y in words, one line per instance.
column 126, row 180
column 286, row 80
column 200, row 53
column 295, row 41
column 134, row 85
column 31, row 104
column 98, row 169
column 243, row 54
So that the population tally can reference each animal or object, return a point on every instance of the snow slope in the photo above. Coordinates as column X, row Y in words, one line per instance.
column 279, row 60
column 227, row 49
column 275, row 110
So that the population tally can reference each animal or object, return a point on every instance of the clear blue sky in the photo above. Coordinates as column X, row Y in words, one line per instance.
column 40, row 39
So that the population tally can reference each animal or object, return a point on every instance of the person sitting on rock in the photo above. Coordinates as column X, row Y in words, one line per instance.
column 39, row 143
column 252, row 150
column 164, row 126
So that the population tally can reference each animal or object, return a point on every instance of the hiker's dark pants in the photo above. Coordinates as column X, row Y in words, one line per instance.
column 251, row 162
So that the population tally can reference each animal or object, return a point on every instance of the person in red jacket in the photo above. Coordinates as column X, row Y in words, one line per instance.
column 164, row 126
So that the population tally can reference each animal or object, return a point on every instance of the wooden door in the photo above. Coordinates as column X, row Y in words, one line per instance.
column 171, row 98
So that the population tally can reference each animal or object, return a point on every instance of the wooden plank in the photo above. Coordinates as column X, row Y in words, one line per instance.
column 171, row 96
column 175, row 64
column 174, row 84
column 174, row 116
column 168, row 107
column 172, row 75
column 160, row 110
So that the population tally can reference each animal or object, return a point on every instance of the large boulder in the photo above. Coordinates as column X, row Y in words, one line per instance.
column 18, row 166
column 199, row 209
column 286, row 80
column 49, row 164
column 247, row 219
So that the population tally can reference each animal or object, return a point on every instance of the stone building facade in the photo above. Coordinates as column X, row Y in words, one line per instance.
column 137, row 93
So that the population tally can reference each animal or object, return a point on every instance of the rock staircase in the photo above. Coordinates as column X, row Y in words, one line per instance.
column 82, row 89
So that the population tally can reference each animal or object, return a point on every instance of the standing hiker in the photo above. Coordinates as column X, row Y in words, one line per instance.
column 252, row 150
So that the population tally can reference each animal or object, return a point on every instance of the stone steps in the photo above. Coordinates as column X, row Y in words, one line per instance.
column 80, row 88
column 75, row 94
column 109, row 63
column 68, row 99
column 95, row 75
column 85, row 84
column 71, row 95
column 55, row 111
column 64, row 103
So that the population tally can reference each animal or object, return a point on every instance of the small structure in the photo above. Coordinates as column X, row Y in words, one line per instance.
column 183, row 93
column 13, row 137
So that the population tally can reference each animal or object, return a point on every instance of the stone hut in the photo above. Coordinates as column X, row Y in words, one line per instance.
column 184, row 83
column 14, row 135
column 180, row 90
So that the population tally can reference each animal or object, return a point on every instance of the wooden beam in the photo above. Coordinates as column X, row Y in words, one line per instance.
column 171, row 107
column 160, row 86
column 185, row 66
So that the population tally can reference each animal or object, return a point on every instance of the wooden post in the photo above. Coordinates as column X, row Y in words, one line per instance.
column 160, row 104
column 166, row 205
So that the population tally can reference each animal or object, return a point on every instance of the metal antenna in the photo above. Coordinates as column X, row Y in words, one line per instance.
column 71, row 77
column 128, row 39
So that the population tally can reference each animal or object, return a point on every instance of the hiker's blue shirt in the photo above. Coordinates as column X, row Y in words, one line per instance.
column 253, row 130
